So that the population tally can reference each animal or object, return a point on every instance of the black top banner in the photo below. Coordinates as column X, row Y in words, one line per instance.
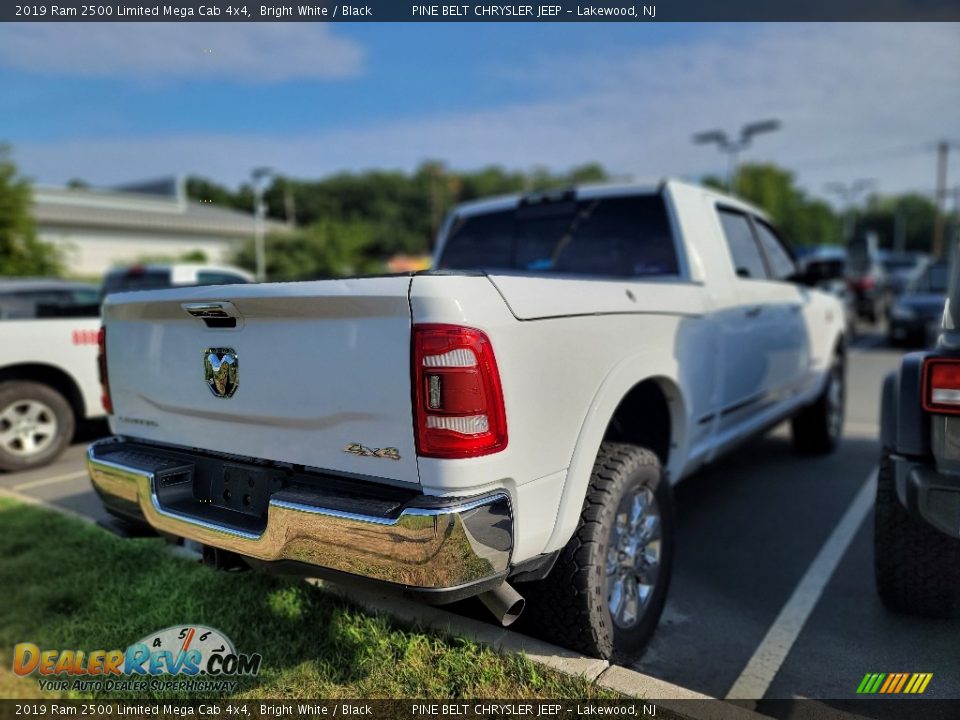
column 546, row 11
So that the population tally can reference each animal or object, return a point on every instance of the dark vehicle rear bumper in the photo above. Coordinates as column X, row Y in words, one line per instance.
column 441, row 548
column 928, row 494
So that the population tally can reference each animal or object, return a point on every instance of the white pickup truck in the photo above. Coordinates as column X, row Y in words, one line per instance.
column 516, row 417
column 48, row 367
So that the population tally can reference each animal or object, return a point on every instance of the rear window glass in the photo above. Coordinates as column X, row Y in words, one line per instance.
column 821, row 270
column 136, row 280
column 54, row 303
column 935, row 279
column 219, row 278
column 617, row 236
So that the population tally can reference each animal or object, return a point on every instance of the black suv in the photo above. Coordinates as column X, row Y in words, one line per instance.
column 917, row 529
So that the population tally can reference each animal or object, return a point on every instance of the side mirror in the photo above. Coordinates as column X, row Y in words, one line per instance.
column 805, row 277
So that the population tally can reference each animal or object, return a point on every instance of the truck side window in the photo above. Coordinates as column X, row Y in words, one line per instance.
column 781, row 264
column 747, row 258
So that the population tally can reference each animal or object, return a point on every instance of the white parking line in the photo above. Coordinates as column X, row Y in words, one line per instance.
column 773, row 650
column 50, row 480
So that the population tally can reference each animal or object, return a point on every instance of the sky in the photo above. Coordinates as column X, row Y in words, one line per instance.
column 111, row 103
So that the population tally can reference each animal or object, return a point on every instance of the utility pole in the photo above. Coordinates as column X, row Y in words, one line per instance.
column 848, row 194
column 733, row 147
column 289, row 204
column 259, row 175
column 899, row 229
column 943, row 149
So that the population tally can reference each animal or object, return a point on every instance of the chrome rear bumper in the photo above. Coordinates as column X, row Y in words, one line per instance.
column 429, row 543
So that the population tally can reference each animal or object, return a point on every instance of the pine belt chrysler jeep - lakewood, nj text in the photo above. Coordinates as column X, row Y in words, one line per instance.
column 510, row 422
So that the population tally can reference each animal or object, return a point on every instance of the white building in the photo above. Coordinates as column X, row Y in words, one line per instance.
column 97, row 229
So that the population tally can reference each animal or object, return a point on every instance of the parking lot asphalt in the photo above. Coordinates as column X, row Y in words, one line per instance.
column 773, row 584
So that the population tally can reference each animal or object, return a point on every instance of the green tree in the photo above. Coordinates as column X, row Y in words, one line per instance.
column 21, row 252
column 400, row 212
column 802, row 220
column 908, row 217
column 328, row 248
column 204, row 190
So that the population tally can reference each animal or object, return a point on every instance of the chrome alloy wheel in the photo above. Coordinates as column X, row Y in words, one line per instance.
column 835, row 400
column 27, row 427
column 633, row 557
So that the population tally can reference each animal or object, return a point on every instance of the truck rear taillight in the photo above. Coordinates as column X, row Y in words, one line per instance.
column 458, row 401
column 941, row 385
column 102, row 368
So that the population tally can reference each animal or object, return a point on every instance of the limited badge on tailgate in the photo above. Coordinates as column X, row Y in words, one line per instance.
column 221, row 370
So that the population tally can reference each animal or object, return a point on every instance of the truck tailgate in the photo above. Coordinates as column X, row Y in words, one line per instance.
column 313, row 373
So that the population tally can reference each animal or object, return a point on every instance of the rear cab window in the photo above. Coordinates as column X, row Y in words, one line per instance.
column 610, row 236
column 49, row 303
column 205, row 277
column 135, row 279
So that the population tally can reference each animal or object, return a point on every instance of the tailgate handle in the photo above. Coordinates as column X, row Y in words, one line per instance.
column 215, row 314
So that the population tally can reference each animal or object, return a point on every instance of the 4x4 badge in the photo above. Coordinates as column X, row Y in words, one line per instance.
column 221, row 370
column 387, row 453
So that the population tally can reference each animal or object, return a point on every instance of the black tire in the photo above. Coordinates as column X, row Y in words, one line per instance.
column 570, row 607
column 816, row 430
column 917, row 567
column 56, row 413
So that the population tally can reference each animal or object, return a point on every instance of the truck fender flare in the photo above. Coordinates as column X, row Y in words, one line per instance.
column 632, row 371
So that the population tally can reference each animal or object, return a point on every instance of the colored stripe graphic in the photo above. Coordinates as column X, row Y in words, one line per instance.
column 903, row 681
column 894, row 683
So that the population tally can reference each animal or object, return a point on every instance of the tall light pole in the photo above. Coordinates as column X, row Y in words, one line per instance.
column 848, row 194
column 259, row 175
column 733, row 147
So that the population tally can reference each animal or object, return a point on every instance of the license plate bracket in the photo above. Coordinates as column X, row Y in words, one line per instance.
column 244, row 489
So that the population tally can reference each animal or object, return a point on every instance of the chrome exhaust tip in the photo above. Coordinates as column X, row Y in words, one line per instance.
column 504, row 602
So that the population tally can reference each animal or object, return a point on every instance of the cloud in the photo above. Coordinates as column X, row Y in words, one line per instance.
column 151, row 52
column 857, row 100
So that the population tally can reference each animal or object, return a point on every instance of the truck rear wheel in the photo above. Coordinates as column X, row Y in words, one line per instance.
column 36, row 424
column 917, row 567
column 607, row 589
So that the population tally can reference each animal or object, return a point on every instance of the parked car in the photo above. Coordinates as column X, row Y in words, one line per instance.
column 825, row 267
column 48, row 382
column 156, row 276
column 900, row 268
column 48, row 355
column 29, row 298
column 868, row 279
column 916, row 314
column 517, row 417
column 917, row 523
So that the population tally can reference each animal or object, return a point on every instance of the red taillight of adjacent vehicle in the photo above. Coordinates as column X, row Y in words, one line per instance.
column 102, row 367
column 458, row 401
column 941, row 386
column 865, row 283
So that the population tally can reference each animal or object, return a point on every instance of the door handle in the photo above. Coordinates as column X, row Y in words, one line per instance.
column 754, row 311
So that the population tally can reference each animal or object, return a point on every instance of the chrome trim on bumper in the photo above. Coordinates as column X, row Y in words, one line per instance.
column 446, row 546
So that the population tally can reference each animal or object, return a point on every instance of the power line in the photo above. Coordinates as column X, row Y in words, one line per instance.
column 872, row 156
